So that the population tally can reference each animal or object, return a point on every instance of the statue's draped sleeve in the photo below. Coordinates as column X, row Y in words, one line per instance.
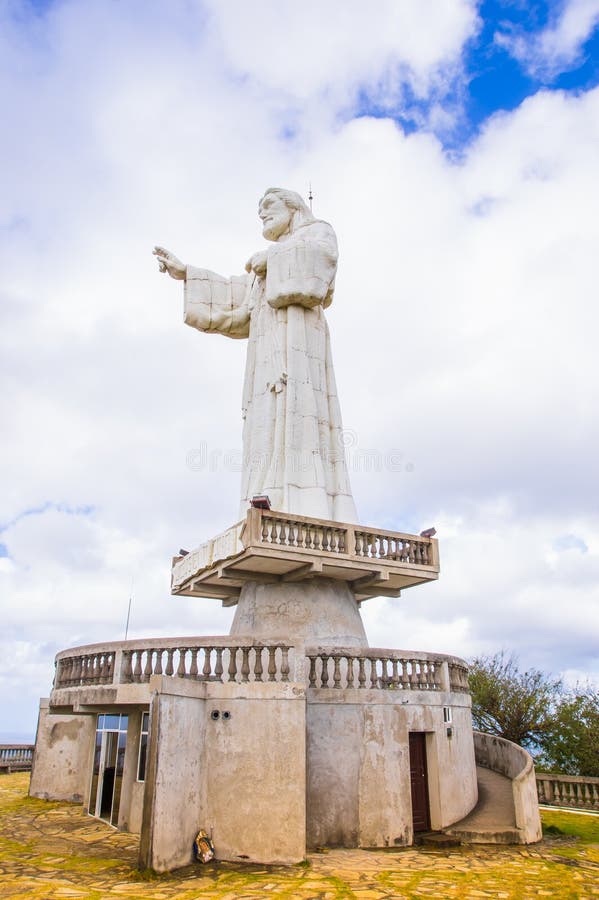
column 217, row 304
column 301, row 270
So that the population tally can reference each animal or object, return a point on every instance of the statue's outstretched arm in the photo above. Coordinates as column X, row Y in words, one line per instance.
column 214, row 303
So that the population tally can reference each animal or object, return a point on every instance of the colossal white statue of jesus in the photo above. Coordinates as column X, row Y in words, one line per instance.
column 292, row 434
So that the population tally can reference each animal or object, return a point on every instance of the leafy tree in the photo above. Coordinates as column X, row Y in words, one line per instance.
column 571, row 744
column 518, row 706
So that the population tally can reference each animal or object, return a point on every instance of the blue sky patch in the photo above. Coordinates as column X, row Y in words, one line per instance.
column 493, row 80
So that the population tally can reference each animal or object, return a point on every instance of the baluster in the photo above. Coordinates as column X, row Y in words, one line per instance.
column 169, row 661
column 359, row 543
column 385, row 672
column 137, row 667
column 431, row 675
column 158, row 663
column 394, row 673
column 193, row 669
column 361, row 672
column 415, row 674
column 245, row 664
column 148, row 667
column 344, row 542
column 232, row 663
column 324, row 677
column 350, row 671
column 126, row 667
column 101, row 667
column 89, row 669
column 336, row 671
column 312, row 675
column 258, row 663
column 380, row 547
column 272, row 665
column 374, row 679
column 405, row 679
column 284, row 663
column 218, row 668
column 207, row 669
column 181, row 666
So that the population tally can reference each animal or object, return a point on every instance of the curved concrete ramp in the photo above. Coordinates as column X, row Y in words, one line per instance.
column 493, row 819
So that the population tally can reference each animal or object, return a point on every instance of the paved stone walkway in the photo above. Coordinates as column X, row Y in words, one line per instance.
column 54, row 850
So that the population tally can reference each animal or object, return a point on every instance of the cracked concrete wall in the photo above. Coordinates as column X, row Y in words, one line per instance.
column 63, row 756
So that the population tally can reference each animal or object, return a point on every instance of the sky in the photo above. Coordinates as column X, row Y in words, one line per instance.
column 454, row 146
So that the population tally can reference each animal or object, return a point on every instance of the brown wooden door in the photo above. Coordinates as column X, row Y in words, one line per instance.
column 419, row 781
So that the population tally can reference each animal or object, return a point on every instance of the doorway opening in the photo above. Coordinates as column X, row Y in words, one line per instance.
column 107, row 772
column 419, row 782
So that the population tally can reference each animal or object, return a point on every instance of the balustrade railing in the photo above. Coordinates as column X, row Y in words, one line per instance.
column 228, row 660
column 16, row 757
column 243, row 663
column 458, row 678
column 568, row 790
column 86, row 668
column 374, row 670
column 287, row 532
column 214, row 660
column 303, row 533
column 388, row 546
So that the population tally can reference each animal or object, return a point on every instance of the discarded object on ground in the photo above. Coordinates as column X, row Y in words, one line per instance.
column 203, row 848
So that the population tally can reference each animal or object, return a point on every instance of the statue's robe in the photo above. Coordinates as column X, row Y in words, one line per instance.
column 293, row 447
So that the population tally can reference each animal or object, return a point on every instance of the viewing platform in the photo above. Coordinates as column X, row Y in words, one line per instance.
column 120, row 672
column 274, row 547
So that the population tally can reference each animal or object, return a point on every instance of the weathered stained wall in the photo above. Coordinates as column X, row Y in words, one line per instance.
column 240, row 777
column 174, row 770
column 359, row 771
column 63, row 756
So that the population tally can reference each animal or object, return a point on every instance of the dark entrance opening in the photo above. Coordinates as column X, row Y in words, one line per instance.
column 108, row 767
column 419, row 781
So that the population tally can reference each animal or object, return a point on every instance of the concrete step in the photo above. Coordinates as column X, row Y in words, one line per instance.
column 436, row 839
column 493, row 819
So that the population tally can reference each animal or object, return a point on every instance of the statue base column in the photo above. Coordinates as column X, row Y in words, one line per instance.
column 314, row 612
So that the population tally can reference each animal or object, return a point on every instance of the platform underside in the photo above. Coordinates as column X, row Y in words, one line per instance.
column 272, row 547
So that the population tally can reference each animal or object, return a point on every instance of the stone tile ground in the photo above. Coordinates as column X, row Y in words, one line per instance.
column 53, row 850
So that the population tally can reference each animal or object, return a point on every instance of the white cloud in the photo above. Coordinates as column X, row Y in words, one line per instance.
column 557, row 47
column 462, row 330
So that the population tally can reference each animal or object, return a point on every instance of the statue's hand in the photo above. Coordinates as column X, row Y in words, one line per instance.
column 168, row 262
column 257, row 263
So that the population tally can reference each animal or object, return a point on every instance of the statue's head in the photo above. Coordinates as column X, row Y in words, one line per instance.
column 282, row 212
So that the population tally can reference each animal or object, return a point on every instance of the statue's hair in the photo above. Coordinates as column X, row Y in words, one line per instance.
column 303, row 214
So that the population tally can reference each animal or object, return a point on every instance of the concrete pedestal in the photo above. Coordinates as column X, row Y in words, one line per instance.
column 315, row 611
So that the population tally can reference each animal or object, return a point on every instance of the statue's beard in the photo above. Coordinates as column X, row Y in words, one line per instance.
column 276, row 228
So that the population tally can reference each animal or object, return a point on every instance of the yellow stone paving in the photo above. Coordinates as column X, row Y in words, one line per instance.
column 53, row 850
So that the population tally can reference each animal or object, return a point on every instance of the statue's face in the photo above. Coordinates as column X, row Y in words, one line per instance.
column 275, row 215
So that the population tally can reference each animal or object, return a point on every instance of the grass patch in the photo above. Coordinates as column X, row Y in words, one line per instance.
column 585, row 828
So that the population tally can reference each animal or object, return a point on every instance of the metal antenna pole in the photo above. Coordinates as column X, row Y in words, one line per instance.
column 129, row 610
column 310, row 197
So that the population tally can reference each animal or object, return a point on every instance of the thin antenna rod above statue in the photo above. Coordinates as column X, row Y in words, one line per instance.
column 310, row 197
